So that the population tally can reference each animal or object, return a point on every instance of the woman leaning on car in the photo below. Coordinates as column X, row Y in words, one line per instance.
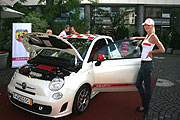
column 145, row 71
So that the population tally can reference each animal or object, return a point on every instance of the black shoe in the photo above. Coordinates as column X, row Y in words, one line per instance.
column 139, row 110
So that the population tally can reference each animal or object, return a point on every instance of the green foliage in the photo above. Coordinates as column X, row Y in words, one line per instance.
column 71, row 4
column 57, row 28
column 6, row 34
column 50, row 11
column 38, row 24
column 121, row 32
column 6, row 39
column 54, row 8
column 80, row 26
column 19, row 7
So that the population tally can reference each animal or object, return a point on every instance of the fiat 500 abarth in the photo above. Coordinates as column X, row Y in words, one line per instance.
column 67, row 72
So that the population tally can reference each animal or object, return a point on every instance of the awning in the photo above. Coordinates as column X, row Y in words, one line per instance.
column 8, row 2
column 10, row 13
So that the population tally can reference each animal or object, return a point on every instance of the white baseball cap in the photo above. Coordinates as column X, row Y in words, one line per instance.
column 149, row 21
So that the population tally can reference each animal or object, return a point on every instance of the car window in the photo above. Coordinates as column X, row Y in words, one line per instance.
column 97, row 46
column 109, row 40
column 82, row 45
column 109, row 51
column 128, row 48
column 119, row 49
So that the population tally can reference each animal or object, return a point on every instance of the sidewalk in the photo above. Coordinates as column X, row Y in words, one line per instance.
column 6, row 74
column 165, row 101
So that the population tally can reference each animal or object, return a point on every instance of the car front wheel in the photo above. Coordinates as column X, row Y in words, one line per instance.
column 81, row 100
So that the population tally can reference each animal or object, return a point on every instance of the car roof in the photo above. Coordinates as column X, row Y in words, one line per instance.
column 83, row 36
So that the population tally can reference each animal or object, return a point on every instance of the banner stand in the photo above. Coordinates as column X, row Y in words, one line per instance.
column 19, row 54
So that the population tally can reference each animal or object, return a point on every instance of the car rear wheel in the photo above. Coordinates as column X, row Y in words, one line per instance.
column 81, row 100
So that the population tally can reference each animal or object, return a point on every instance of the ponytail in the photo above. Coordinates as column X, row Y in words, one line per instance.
column 153, row 29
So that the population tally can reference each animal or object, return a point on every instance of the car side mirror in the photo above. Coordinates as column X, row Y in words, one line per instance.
column 100, row 58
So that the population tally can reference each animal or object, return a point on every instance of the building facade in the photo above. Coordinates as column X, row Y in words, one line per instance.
column 132, row 13
column 166, row 14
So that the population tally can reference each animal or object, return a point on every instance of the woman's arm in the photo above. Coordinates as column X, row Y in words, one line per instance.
column 135, row 38
column 158, row 43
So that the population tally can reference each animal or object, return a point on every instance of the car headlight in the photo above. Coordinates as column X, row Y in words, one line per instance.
column 56, row 84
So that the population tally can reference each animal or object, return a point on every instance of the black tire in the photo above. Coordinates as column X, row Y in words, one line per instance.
column 81, row 100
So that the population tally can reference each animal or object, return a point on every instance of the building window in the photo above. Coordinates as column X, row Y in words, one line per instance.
column 102, row 11
column 82, row 13
column 165, row 12
column 105, row 18
column 129, row 15
column 153, row 12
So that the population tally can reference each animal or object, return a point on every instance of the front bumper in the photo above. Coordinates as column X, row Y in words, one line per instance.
column 37, row 108
column 44, row 106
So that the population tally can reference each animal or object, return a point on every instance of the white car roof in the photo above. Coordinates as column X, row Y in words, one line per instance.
column 82, row 36
column 86, row 36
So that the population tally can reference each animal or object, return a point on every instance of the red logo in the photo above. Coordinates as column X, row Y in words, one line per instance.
column 24, row 85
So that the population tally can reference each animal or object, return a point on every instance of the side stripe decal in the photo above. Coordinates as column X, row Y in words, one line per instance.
column 107, row 85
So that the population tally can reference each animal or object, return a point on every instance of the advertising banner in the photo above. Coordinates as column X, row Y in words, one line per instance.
column 19, row 54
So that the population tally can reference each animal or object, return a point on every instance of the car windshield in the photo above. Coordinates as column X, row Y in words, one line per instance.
column 81, row 45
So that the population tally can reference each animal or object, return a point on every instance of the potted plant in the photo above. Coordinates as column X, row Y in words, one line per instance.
column 3, row 59
column 5, row 47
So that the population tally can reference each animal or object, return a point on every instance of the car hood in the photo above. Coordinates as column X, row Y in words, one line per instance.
column 35, row 41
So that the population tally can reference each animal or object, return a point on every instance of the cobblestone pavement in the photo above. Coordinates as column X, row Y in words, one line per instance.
column 165, row 101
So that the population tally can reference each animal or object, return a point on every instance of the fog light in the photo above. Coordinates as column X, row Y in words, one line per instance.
column 40, row 108
column 57, row 95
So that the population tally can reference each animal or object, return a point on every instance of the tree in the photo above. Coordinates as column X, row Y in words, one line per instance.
column 119, row 29
column 38, row 24
column 55, row 8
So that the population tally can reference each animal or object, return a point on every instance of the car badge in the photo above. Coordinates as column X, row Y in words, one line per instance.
column 24, row 85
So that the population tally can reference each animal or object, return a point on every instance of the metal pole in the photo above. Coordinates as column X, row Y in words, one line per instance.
column 88, row 14
column 140, row 19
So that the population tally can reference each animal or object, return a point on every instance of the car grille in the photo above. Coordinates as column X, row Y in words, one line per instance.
column 34, row 108
column 64, row 107
column 31, row 93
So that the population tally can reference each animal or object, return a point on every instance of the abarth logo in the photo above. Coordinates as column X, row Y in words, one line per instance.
column 20, row 33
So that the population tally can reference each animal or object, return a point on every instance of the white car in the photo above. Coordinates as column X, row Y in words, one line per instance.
column 67, row 72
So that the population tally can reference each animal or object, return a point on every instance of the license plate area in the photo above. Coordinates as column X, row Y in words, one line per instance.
column 23, row 99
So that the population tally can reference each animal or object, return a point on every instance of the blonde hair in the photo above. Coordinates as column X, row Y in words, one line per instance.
column 153, row 29
column 49, row 31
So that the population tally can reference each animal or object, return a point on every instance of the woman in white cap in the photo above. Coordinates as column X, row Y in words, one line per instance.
column 145, row 71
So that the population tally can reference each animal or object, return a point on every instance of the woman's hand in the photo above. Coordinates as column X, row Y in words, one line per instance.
column 132, row 38
column 149, row 55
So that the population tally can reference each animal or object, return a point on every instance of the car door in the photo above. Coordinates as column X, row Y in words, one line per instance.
column 118, row 72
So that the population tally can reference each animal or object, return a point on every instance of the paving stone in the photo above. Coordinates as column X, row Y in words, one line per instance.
column 166, row 97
